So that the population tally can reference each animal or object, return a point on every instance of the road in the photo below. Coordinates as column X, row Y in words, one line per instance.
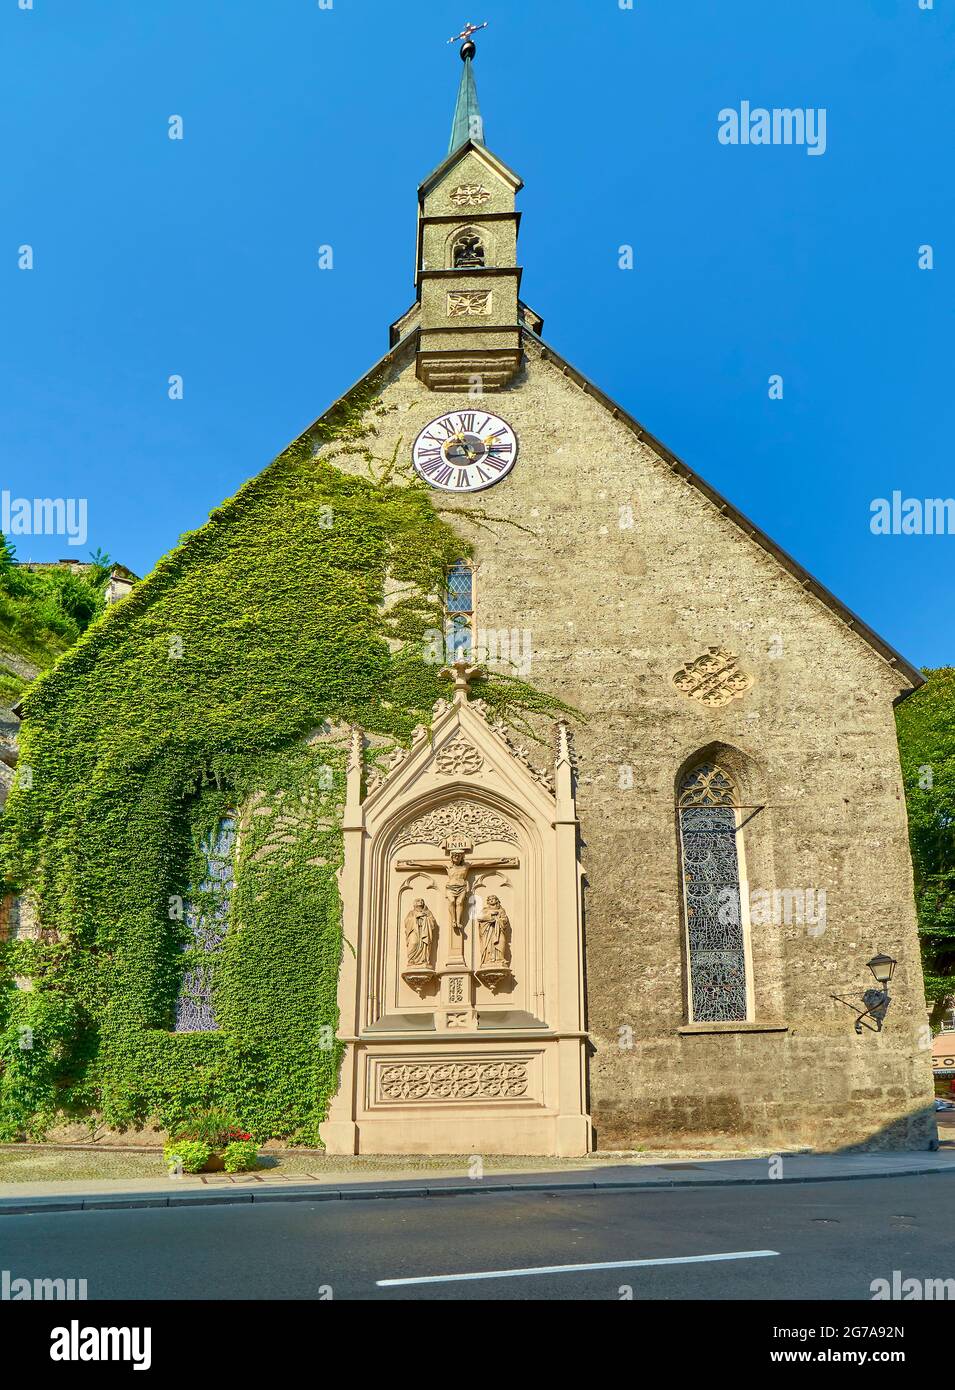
column 830, row 1240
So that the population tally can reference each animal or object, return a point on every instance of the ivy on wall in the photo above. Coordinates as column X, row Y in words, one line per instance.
column 222, row 684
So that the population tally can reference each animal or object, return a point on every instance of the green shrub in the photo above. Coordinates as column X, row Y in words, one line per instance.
column 214, row 1127
column 240, row 1155
column 192, row 1154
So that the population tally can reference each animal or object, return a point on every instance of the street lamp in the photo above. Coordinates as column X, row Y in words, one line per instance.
column 876, row 1001
column 883, row 968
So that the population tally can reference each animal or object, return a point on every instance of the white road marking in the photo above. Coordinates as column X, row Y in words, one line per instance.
column 578, row 1269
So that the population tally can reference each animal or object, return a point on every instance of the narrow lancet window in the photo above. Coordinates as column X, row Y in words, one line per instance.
column 207, row 918
column 459, row 607
column 716, row 948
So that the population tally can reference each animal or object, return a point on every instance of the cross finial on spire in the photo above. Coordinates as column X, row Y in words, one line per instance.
column 465, row 34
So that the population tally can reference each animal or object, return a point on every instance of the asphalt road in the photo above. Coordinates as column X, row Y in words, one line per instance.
column 832, row 1239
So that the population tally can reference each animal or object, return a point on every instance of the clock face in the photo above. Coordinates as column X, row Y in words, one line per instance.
column 465, row 451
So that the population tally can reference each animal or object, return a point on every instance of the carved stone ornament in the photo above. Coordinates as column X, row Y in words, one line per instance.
column 452, row 1081
column 470, row 195
column 469, row 304
column 461, row 818
column 458, row 759
column 521, row 754
column 714, row 678
column 456, row 868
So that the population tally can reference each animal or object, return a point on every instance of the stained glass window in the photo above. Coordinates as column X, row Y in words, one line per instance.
column 459, row 606
column 207, row 918
column 711, row 889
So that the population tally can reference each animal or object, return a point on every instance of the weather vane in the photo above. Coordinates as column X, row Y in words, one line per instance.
column 467, row 31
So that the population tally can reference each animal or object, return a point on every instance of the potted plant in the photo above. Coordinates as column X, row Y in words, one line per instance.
column 210, row 1141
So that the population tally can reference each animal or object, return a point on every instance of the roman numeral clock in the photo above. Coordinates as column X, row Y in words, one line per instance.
column 465, row 452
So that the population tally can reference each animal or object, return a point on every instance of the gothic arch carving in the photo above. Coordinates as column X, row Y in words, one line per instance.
column 745, row 772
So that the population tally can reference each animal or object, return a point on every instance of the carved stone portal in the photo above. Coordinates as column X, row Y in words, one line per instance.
column 460, row 992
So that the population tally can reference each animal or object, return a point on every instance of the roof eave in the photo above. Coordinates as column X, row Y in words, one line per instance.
column 424, row 188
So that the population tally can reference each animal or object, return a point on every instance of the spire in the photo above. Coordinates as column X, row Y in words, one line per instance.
column 468, row 124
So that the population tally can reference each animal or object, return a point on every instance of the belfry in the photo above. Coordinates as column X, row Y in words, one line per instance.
column 468, row 313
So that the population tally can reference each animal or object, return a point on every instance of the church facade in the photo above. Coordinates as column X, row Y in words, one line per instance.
column 638, row 922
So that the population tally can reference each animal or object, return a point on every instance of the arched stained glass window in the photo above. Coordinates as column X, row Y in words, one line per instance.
column 207, row 918
column 716, row 944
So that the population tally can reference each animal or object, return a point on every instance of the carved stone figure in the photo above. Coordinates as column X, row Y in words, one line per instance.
column 457, row 869
column 494, row 927
column 421, row 933
column 495, row 931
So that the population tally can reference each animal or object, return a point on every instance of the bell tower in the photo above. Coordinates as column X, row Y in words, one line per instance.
column 467, row 277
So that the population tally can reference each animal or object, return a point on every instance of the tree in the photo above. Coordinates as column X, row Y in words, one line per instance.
column 926, row 728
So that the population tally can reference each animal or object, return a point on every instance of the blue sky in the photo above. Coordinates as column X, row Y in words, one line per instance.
column 306, row 126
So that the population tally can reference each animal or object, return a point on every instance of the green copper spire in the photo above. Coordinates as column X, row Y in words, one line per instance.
column 468, row 124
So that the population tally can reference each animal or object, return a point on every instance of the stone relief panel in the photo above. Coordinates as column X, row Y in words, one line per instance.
column 470, row 195
column 468, row 819
column 452, row 1081
column 457, row 933
column 456, row 868
column 469, row 304
column 715, row 678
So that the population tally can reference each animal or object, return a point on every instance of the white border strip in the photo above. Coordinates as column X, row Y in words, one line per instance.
column 576, row 1269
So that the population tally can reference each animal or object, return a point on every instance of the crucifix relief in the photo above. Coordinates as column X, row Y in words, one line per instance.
column 457, row 867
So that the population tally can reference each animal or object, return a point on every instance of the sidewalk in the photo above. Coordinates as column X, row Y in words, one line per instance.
column 643, row 1172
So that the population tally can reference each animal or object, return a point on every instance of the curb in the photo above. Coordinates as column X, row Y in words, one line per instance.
column 12, row 1206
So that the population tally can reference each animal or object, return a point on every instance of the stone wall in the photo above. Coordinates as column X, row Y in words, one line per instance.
column 614, row 603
